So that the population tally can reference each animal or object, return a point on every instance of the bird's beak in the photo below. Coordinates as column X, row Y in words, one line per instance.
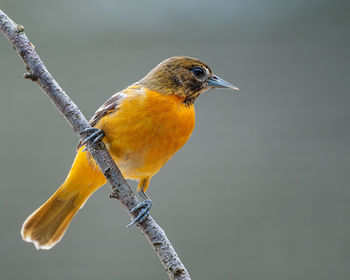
column 217, row 82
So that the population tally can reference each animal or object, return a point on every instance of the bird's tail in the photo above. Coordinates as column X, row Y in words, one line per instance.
column 47, row 225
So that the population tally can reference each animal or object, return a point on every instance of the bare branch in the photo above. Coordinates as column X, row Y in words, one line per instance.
column 120, row 190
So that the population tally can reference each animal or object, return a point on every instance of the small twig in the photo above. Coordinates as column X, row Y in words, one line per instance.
column 120, row 190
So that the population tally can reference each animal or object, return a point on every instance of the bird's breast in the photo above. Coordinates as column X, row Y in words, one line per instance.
column 146, row 130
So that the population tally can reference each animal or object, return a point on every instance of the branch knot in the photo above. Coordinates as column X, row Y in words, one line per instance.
column 31, row 76
column 20, row 29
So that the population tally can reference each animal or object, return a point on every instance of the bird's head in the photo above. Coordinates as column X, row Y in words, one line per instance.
column 183, row 76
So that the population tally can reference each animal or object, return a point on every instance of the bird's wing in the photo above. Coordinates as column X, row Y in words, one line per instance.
column 106, row 108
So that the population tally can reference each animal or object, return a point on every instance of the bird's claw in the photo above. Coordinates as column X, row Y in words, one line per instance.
column 95, row 134
column 144, row 208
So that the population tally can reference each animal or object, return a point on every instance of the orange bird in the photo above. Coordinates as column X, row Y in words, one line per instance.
column 143, row 126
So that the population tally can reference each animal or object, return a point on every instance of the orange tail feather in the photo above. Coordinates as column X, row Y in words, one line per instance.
column 47, row 225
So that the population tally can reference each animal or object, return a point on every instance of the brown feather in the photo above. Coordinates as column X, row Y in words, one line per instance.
column 106, row 108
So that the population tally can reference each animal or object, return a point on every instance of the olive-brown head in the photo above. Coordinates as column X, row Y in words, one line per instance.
column 184, row 76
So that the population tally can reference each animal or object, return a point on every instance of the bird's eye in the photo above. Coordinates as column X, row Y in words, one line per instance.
column 198, row 71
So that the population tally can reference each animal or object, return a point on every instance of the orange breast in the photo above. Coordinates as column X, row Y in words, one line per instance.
column 146, row 131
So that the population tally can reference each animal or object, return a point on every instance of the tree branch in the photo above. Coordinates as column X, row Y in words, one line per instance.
column 120, row 190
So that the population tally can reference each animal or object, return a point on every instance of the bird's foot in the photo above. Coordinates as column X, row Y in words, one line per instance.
column 144, row 208
column 94, row 134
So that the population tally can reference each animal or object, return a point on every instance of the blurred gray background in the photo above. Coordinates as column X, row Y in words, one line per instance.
column 261, row 190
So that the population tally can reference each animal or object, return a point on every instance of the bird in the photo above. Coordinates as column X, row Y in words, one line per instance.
column 142, row 126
